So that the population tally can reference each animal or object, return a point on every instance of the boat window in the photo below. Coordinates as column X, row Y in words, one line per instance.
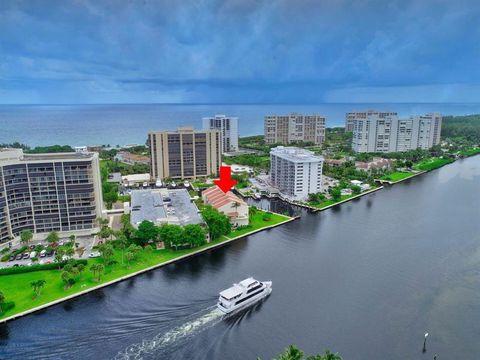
column 254, row 288
column 249, row 296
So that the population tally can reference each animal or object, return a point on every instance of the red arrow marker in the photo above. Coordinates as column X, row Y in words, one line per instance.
column 226, row 182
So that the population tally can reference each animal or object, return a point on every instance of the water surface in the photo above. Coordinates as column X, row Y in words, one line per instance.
column 366, row 279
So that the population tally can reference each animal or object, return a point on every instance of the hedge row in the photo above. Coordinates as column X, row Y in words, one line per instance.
column 38, row 267
column 8, row 305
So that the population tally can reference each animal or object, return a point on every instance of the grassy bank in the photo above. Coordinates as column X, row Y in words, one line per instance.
column 343, row 198
column 397, row 176
column 469, row 152
column 17, row 287
column 433, row 163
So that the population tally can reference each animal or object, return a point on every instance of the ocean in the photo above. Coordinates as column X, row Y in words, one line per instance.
column 76, row 125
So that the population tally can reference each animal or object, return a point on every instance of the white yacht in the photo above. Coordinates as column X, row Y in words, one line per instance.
column 243, row 294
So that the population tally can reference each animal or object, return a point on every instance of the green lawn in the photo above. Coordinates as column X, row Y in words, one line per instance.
column 469, row 152
column 432, row 164
column 396, row 176
column 17, row 287
column 329, row 202
column 257, row 222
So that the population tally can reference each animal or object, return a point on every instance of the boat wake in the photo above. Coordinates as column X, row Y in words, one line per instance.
column 199, row 321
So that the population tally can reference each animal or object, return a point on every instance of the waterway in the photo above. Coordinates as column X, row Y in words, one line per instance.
column 366, row 279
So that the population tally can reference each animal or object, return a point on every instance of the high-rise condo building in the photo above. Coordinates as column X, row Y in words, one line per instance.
column 49, row 192
column 185, row 153
column 228, row 127
column 385, row 132
column 288, row 129
column 295, row 172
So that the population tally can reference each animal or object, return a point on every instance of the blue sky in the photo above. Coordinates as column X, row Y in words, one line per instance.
column 239, row 51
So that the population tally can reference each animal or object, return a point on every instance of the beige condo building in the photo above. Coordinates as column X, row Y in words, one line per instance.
column 288, row 129
column 185, row 153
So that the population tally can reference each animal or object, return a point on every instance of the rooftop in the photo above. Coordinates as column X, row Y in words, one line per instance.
column 162, row 206
column 18, row 155
column 295, row 154
column 217, row 198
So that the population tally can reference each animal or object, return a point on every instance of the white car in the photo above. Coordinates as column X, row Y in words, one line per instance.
column 94, row 254
column 172, row 184
column 158, row 183
column 186, row 184
column 33, row 254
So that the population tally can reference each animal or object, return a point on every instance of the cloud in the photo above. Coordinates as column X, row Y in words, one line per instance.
column 237, row 50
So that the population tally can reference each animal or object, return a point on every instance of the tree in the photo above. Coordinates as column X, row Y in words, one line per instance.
column 102, row 221
column 171, row 235
column 69, row 251
column 105, row 232
column 356, row 189
column 291, row 353
column 147, row 231
column 294, row 353
column 336, row 193
column 97, row 269
column 122, row 242
column 37, row 286
column 194, row 235
column 107, row 253
column 72, row 238
column 132, row 253
column 26, row 236
column 218, row 223
column 59, row 254
column 67, row 278
column 52, row 237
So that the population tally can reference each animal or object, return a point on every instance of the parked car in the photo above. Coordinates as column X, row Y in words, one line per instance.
column 11, row 258
column 33, row 254
column 43, row 253
column 26, row 256
column 94, row 254
column 19, row 257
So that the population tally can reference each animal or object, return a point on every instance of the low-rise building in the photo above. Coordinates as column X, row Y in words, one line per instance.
column 163, row 206
column 135, row 179
column 335, row 162
column 375, row 163
column 295, row 172
column 227, row 203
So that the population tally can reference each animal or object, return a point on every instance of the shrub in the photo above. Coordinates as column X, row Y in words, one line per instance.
column 7, row 305
column 5, row 257
column 39, row 267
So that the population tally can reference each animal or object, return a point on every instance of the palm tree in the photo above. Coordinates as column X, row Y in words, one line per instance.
column 26, row 236
column 97, row 268
column 72, row 238
column 292, row 353
column 102, row 221
column 37, row 286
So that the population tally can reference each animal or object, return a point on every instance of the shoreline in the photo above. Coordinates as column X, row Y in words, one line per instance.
column 150, row 268
column 390, row 182
column 212, row 247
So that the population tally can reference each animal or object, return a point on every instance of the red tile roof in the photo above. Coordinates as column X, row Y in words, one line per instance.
column 217, row 198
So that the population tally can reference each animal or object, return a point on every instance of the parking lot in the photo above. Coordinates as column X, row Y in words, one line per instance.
column 44, row 252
